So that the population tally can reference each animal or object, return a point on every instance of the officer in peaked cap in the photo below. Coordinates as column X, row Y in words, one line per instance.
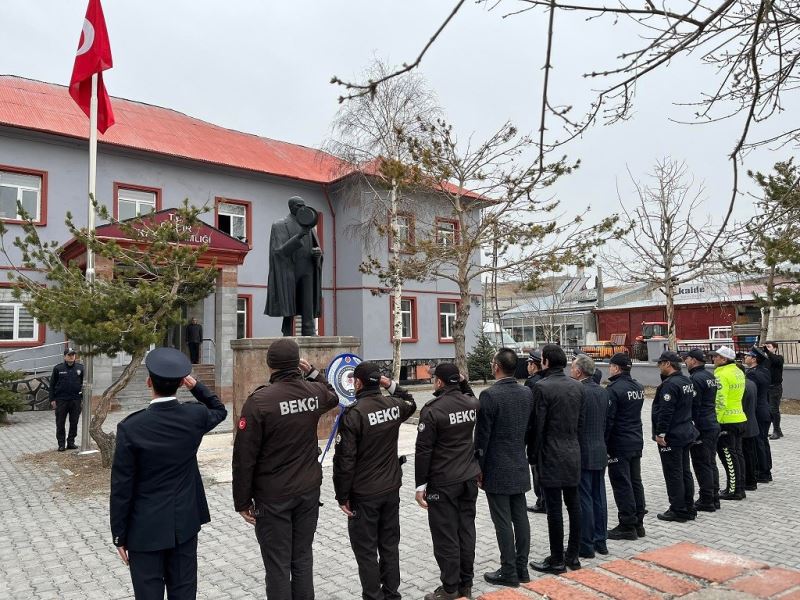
column 155, row 448
column 66, row 383
column 534, row 375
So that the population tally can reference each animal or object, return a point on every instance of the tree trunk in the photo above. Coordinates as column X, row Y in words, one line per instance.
column 669, row 293
column 459, row 333
column 105, row 441
column 397, row 287
column 766, row 309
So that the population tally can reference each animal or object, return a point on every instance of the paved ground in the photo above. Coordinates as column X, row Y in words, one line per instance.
column 57, row 548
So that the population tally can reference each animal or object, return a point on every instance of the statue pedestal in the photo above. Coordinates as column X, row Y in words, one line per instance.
column 250, row 368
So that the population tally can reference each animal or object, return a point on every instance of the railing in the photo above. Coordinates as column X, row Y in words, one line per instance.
column 34, row 360
column 789, row 349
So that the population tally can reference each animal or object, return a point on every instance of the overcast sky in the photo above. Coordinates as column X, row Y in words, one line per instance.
column 264, row 67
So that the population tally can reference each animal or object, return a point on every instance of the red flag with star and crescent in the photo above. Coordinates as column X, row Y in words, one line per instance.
column 93, row 56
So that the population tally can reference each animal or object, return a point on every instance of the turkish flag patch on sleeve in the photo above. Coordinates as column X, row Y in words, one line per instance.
column 242, row 423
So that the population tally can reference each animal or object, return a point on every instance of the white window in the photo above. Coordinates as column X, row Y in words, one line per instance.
column 16, row 323
column 232, row 219
column 25, row 189
column 241, row 318
column 447, row 318
column 132, row 203
column 446, row 232
column 407, row 315
column 404, row 229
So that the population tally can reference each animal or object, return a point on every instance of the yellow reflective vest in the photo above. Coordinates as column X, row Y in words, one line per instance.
column 729, row 394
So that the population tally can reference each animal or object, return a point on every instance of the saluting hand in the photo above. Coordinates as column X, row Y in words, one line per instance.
column 385, row 381
column 123, row 554
column 305, row 366
column 420, row 498
column 248, row 516
column 189, row 382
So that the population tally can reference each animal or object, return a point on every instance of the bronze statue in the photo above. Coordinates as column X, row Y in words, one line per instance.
column 294, row 285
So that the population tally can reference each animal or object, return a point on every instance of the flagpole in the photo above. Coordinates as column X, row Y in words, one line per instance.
column 86, row 407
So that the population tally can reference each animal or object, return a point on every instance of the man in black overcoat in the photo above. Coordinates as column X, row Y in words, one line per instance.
column 157, row 498
column 294, row 285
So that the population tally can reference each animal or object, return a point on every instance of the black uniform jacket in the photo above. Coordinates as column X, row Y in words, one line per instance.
column 672, row 410
column 365, row 464
column 624, row 436
column 531, row 381
column 157, row 496
column 503, row 417
column 749, row 401
column 276, row 451
column 445, row 452
column 66, row 382
column 760, row 375
column 593, row 434
column 704, row 411
column 775, row 368
column 557, row 423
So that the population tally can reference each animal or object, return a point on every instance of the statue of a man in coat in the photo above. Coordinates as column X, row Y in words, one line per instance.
column 294, row 285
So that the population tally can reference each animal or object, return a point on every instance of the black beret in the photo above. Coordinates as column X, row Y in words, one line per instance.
column 669, row 356
column 368, row 373
column 447, row 372
column 696, row 354
column 168, row 363
column 620, row 359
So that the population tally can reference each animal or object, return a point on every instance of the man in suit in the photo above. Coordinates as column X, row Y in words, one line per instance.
column 194, row 338
column 500, row 433
column 157, row 499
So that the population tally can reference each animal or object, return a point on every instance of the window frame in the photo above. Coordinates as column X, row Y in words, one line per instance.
column 412, row 227
column 42, row 220
column 118, row 185
column 456, row 232
column 248, row 216
column 39, row 328
column 248, row 317
column 439, row 302
column 414, row 312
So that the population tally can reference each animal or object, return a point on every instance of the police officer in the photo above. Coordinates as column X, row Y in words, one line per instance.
column 66, row 383
column 446, row 473
column 157, row 499
column 674, row 433
column 731, row 419
column 534, row 375
column 276, row 472
column 367, row 478
column 775, row 388
column 757, row 370
column 625, row 441
column 704, row 415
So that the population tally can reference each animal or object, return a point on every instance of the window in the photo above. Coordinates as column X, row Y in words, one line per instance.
column 26, row 188
column 16, row 323
column 447, row 318
column 405, row 231
column 446, row 232
column 133, row 201
column 243, row 327
column 408, row 316
column 233, row 217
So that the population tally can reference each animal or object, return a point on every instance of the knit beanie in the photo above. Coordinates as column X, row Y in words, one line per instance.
column 283, row 354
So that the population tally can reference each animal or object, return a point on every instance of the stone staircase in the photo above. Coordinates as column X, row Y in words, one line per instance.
column 137, row 395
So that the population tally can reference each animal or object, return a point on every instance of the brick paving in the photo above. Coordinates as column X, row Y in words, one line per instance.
column 55, row 547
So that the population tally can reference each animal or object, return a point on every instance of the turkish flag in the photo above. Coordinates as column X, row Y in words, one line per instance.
column 93, row 56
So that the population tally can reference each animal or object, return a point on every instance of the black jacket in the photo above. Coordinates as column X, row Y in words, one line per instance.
column 157, row 495
column 672, row 410
column 276, row 450
column 593, row 434
column 445, row 451
column 775, row 368
column 194, row 333
column 760, row 375
column 704, row 408
column 531, row 381
column 556, row 428
column 624, row 435
column 66, row 381
column 365, row 464
column 749, row 401
column 505, row 410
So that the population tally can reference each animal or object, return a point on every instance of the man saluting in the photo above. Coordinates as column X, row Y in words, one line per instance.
column 157, row 499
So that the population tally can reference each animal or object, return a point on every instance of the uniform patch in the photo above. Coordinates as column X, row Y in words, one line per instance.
column 338, row 437
column 78, row 372
column 242, row 423
column 667, row 397
column 421, row 427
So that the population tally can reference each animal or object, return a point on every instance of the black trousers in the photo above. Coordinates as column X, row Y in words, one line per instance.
column 594, row 509
column 555, row 522
column 625, row 475
column 513, row 530
column 764, row 467
column 375, row 536
column 451, row 516
column 285, row 531
column 678, row 477
column 731, row 455
column 750, row 455
column 194, row 352
column 174, row 569
column 63, row 409
column 775, row 393
column 704, row 462
column 304, row 301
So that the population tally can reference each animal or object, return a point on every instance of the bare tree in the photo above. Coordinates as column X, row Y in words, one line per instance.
column 369, row 134
column 669, row 242
column 484, row 195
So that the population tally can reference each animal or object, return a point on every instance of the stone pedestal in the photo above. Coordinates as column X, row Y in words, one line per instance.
column 250, row 368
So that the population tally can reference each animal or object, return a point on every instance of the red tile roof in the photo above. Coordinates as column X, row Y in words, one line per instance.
column 48, row 107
